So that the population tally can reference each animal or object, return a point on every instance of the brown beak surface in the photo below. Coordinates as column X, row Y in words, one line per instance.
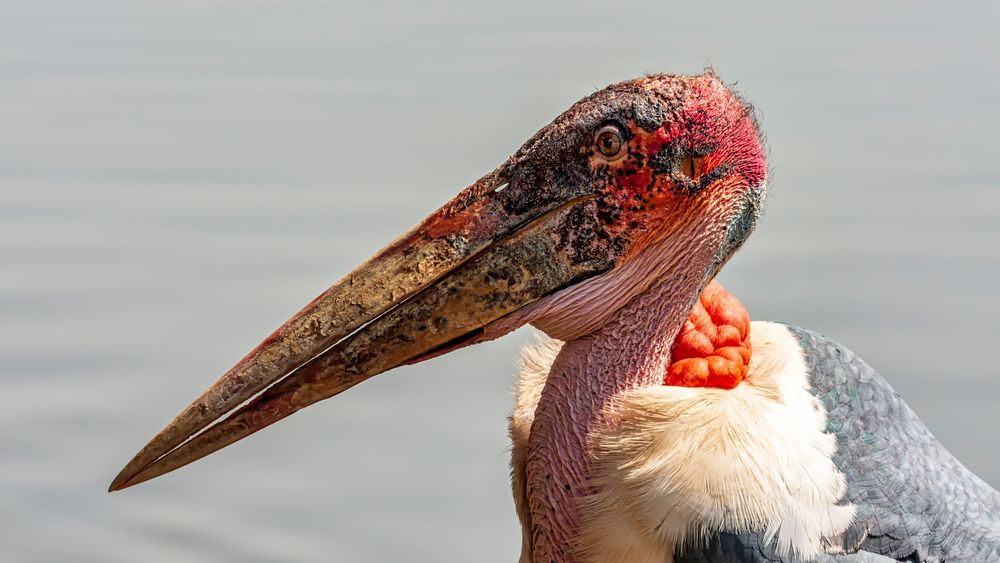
column 435, row 288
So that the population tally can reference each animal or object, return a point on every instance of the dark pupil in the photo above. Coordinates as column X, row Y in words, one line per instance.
column 609, row 144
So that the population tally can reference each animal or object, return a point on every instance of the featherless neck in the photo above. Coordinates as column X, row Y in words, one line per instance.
column 632, row 350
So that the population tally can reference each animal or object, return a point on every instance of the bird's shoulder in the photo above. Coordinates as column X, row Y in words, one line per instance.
column 914, row 499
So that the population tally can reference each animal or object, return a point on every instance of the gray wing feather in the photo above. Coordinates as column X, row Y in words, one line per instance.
column 918, row 502
column 915, row 501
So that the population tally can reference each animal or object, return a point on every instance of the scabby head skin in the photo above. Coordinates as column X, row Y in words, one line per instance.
column 689, row 179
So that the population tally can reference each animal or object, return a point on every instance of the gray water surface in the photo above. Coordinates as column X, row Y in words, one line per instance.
column 176, row 179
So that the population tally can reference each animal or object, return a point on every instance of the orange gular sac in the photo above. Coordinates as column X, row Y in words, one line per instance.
column 713, row 348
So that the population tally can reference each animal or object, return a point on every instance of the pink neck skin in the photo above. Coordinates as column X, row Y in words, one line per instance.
column 631, row 350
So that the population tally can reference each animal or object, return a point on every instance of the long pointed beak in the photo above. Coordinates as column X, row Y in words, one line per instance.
column 434, row 289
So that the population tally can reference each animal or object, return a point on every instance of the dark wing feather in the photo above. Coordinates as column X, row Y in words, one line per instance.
column 749, row 548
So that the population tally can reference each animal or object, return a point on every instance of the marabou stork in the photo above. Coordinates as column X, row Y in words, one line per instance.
column 653, row 421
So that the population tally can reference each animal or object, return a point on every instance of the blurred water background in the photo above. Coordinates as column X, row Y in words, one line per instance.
column 177, row 178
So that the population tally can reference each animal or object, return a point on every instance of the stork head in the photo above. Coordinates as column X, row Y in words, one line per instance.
column 663, row 172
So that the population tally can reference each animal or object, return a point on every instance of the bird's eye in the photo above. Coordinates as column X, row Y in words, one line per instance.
column 609, row 142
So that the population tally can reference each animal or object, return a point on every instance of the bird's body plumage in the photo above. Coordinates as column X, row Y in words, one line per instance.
column 859, row 477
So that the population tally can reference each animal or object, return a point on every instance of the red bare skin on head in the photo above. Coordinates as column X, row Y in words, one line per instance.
column 713, row 348
column 697, row 163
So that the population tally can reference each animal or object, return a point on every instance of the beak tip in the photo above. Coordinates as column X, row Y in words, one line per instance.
column 127, row 480
column 127, row 476
column 119, row 482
